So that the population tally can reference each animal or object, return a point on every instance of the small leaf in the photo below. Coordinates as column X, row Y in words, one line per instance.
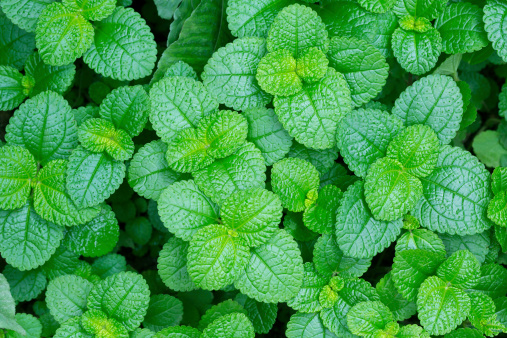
column 303, row 325
column 497, row 209
column 66, row 297
column 482, row 315
column 429, row 9
column 262, row 315
column 499, row 180
column 94, row 10
column 16, row 44
column 400, row 307
column 307, row 298
column 56, row 78
column 25, row 285
column 188, row 152
column 18, row 171
column 172, row 265
column 234, row 325
column 312, row 65
column 277, row 75
column 221, row 309
column 321, row 216
column 365, row 318
column 461, row 270
column 488, row 149
column 97, row 323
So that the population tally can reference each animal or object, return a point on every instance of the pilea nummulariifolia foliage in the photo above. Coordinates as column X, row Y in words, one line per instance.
column 253, row 168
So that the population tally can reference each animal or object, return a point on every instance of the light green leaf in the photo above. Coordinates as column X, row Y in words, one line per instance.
column 464, row 333
column 172, row 265
column 230, row 74
column 178, row 103
column 234, row 325
column 62, row 35
column 92, row 177
column 82, row 114
column 307, row 298
column 46, row 77
column 245, row 169
column 123, row 297
column 274, row 272
column 448, row 205
column 312, row 115
column 221, row 309
column 497, row 209
column 188, row 152
column 94, row 10
column 358, row 234
column 164, row 311
column 400, row 307
column 461, row 28
column 26, row 240
column 268, row 134
column 149, row 174
column 377, row 6
column 389, row 190
column 97, row 323
column 494, row 21
column 15, row 43
column 166, row 9
column 450, row 67
column 461, row 270
column 8, row 308
column 109, row 265
column 45, row 125
column 66, row 297
column 441, row 308
column 179, row 332
column 321, row 216
column 12, row 91
column 18, row 171
column 420, row 239
column 478, row 244
column 29, row 323
column 435, row 101
column 363, row 66
column 488, row 149
column 216, row 257
column 302, row 325
column 323, row 160
column 276, row 73
column 24, row 13
column 181, row 68
column 365, row 318
column 25, row 285
column 412, row 330
column 99, row 135
column 262, row 315
column 72, row 329
column 312, row 65
column 482, row 315
column 96, row 237
column 123, row 47
column 363, row 137
column 51, row 200
column 492, row 281
column 127, row 108
column 417, row 52
column 429, row 9
column 499, row 180
column 253, row 213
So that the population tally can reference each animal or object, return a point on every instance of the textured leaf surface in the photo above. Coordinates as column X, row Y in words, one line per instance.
column 420, row 239
column 221, row 309
column 363, row 66
column 24, row 13
column 234, row 325
column 66, row 297
column 25, row 285
column 94, row 10
column 188, row 152
column 323, row 160
column 455, row 194
column 230, row 74
column 429, row 9
column 321, row 216
column 12, row 92
column 367, row 317
column 164, row 311
column 123, row 297
column 358, row 234
column 16, row 43
column 172, row 265
column 497, row 209
column 123, row 47
column 492, row 281
column 400, row 307
column 499, row 180
column 303, row 325
column 47, row 77
column 216, row 257
column 312, row 115
column 262, row 315
column 483, row 316
column 494, row 23
column 26, row 240
column 377, row 6
column 363, row 137
column 478, row 244
column 72, row 328
column 307, row 298
column 185, row 209
column 274, row 272
column 461, row 269
column 18, row 169
column 435, row 101
column 276, row 73
column 45, row 126
column 8, row 308
column 92, row 177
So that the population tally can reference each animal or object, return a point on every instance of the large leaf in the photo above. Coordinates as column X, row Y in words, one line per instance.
column 172, row 265
column 494, row 21
column 303, row 325
column 66, row 297
column 24, row 13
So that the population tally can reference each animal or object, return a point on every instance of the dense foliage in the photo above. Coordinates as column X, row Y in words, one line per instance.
column 243, row 168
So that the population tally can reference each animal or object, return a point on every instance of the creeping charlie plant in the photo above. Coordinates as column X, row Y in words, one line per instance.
column 253, row 168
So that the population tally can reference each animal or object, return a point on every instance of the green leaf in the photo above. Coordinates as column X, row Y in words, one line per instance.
column 267, row 134
column 435, row 101
column 124, row 297
column 123, row 47
column 450, row 67
column 15, row 43
column 312, row 65
column 25, row 285
column 461, row 28
column 358, row 234
column 276, row 73
column 109, row 265
column 149, row 174
column 18, row 171
column 420, row 239
column 274, row 272
column 478, row 244
column 230, row 74
column 12, row 91
column 81, row 114
column 99, row 135
column 66, row 297
column 492, row 281
column 323, row 160
column 464, row 333
column 24, row 13
column 377, row 6
column 248, row 18
column 96, row 237
column 178, row 103
column 293, row 224
column 62, row 35
column 417, row 52
column 164, row 311
column 363, row 137
column 311, row 116
column 461, row 270
column 179, row 332
column 429, row 9
column 482, row 315
column 26, row 240
column 262, row 315
column 245, row 169
column 494, row 20
column 296, row 28
column 389, row 190
column 166, row 9
column 488, row 149
column 303, row 325
column 172, row 265
column 97, row 323
column 234, row 325
column 466, row 214
column 63, row 262
column 412, row 330
column 94, row 10
column 92, row 177
column 330, row 260
column 499, row 180
column 216, row 257
column 221, row 309
column 294, row 180
column 363, row 66
column 184, row 209
column 127, row 108
column 8, row 308
column 441, row 308
column 321, row 216
column 412, row 267
column 365, row 318
column 47, row 77
column 139, row 230
column 497, row 209
column 307, row 298
column 203, row 31
column 51, row 200
column 188, row 152
column 254, row 214
column 72, row 328
column 400, row 307
column 29, row 323
column 44, row 125
column 181, row 68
